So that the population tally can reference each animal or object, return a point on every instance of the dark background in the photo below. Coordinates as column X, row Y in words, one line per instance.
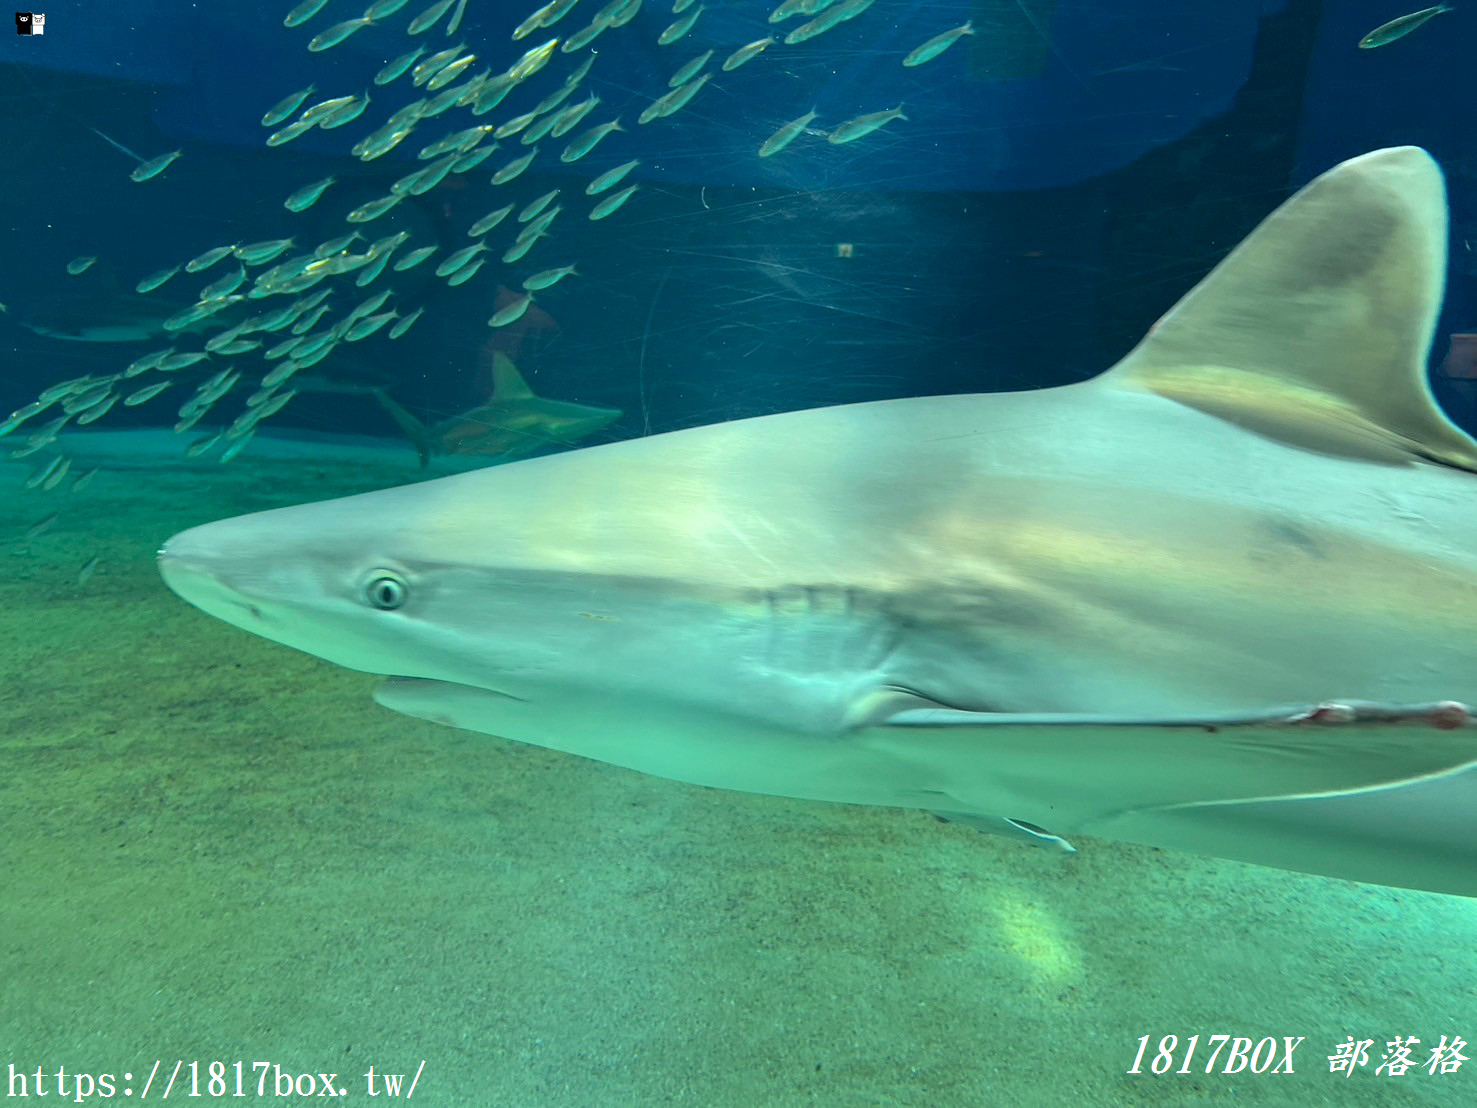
column 1063, row 177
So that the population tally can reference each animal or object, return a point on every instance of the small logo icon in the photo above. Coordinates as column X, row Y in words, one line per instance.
column 38, row 22
column 23, row 24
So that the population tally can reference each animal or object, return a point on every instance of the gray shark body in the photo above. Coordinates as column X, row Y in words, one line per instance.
column 1130, row 608
column 110, row 316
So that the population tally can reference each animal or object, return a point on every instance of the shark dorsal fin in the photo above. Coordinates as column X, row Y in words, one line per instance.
column 507, row 382
column 1314, row 331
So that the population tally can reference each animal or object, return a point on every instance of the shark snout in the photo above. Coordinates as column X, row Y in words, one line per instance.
column 192, row 566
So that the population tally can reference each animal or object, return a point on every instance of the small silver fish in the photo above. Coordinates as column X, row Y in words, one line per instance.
column 863, row 125
column 287, row 105
column 383, row 9
column 534, row 207
column 146, row 363
column 428, row 18
column 493, row 93
column 282, row 372
column 181, row 361
column 235, row 448
column 96, row 412
column 550, row 14
column 405, row 323
column 432, row 65
column 371, row 272
column 690, row 70
column 537, row 227
column 831, row 17
column 415, row 257
column 548, row 278
column 460, row 141
column 338, row 33
column 613, row 203
column 45, row 472
column 281, row 350
column 792, row 8
column 303, row 12
column 381, row 142
column 200, row 446
column 488, row 222
column 288, row 133
column 345, row 115
column 225, row 338
column 365, row 213
column 514, row 168
column 363, row 328
column 78, row 266
column 60, row 473
column 456, row 17
column 573, row 116
column 465, row 274
column 305, row 197
column 679, row 28
column 154, row 280
column 610, row 177
column 583, row 37
column 532, row 61
column 472, row 159
column 512, row 313
column 325, row 108
column 744, row 53
column 432, row 175
column 395, row 69
column 208, row 259
column 89, row 567
column 336, row 246
column 276, row 404
column 459, row 259
column 259, row 253
column 583, row 143
column 225, row 285
column 450, row 73
column 154, row 166
column 145, row 394
column 524, row 244
column 937, row 45
column 786, row 134
column 673, row 101
column 368, row 307
column 41, row 527
column 1398, row 28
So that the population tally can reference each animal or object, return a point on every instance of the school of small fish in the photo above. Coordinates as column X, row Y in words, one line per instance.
column 303, row 292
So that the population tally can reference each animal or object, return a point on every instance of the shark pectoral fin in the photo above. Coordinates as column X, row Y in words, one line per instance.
column 1017, row 829
column 447, row 703
column 1314, row 331
column 415, row 430
column 1419, row 835
column 1070, row 771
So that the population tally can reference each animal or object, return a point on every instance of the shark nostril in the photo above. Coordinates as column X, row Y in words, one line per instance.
column 256, row 613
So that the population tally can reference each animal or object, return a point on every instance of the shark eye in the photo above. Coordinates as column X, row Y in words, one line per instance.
column 385, row 592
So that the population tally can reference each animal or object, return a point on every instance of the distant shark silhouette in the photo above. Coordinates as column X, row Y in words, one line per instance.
column 1222, row 598
column 513, row 424
column 108, row 315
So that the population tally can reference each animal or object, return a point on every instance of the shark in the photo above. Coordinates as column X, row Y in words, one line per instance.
column 1221, row 598
column 513, row 424
column 107, row 317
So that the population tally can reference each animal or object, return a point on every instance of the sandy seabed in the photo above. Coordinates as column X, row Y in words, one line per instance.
column 215, row 849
